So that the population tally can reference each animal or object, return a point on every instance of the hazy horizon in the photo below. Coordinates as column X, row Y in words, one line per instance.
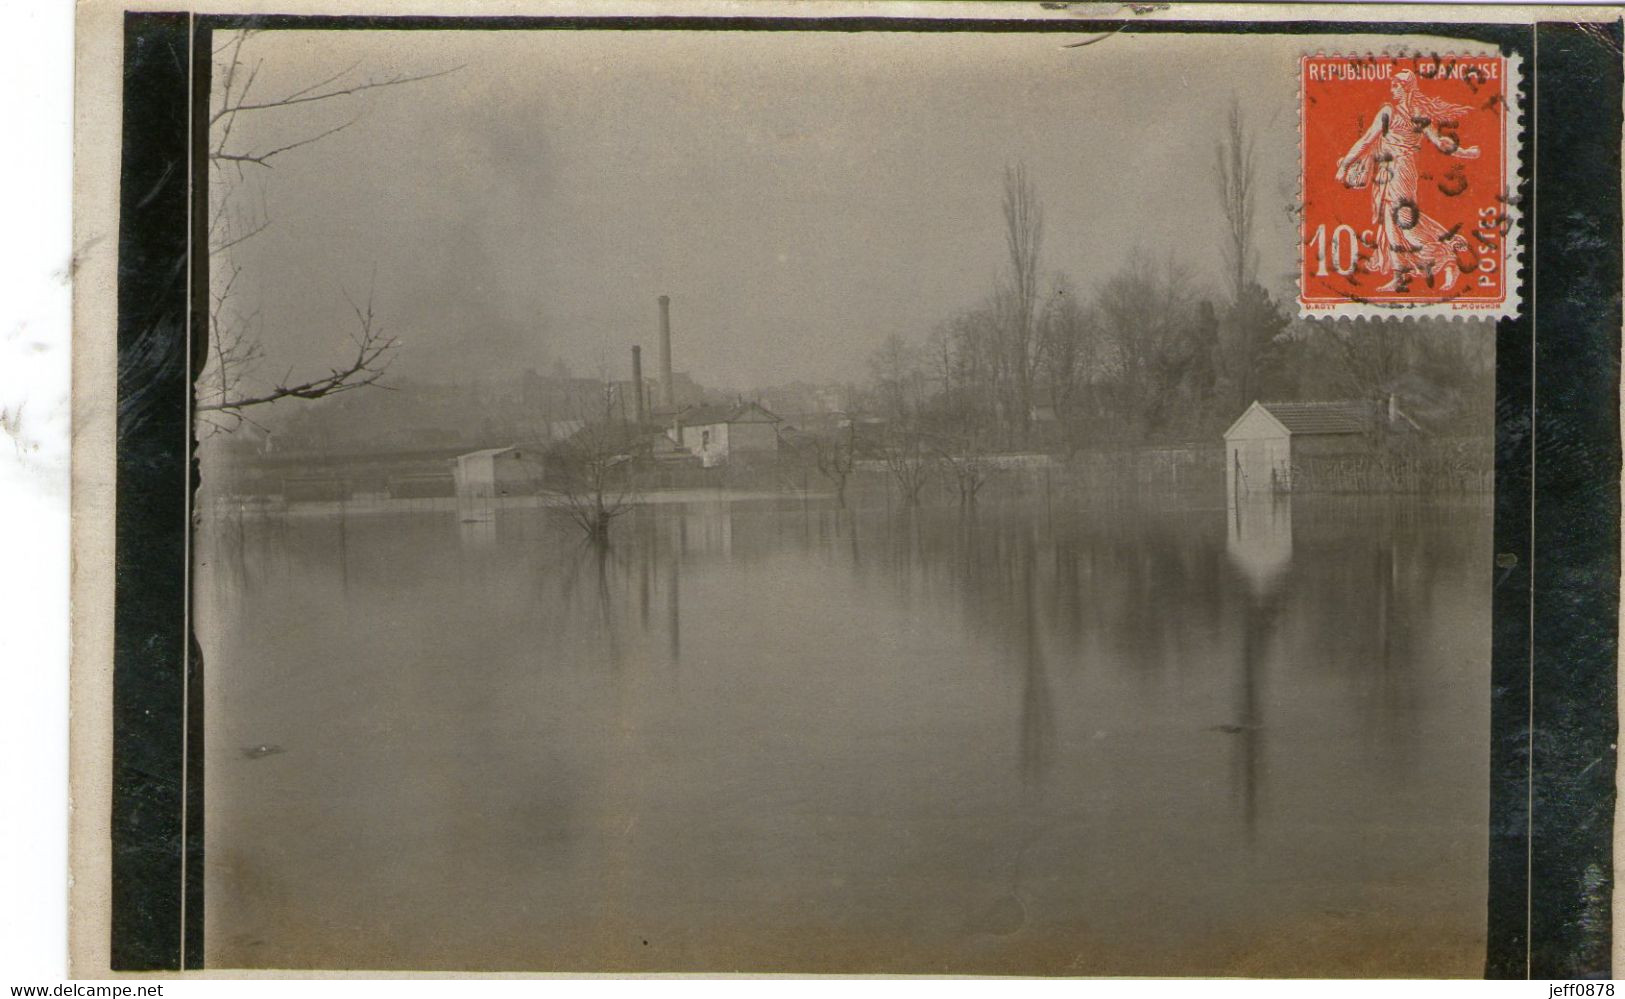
column 800, row 196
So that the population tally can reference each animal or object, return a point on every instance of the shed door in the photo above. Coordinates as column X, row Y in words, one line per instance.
column 1250, row 464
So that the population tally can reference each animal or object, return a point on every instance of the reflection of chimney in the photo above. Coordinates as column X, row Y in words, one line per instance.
column 666, row 395
column 1393, row 410
column 637, row 381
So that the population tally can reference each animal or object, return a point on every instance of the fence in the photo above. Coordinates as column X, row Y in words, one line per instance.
column 1438, row 466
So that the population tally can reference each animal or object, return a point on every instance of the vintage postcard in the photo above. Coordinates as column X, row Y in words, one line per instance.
column 847, row 488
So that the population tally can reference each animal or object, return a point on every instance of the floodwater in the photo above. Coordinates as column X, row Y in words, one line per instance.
column 773, row 736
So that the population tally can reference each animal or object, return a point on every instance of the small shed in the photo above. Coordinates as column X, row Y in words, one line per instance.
column 716, row 433
column 1263, row 445
column 484, row 477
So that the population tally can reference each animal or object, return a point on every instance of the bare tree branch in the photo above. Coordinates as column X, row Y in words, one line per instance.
column 262, row 159
column 236, row 348
column 305, row 97
column 322, row 83
column 241, row 237
column 371, row 361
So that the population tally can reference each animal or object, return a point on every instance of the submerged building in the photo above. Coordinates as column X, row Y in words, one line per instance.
column 1270, row 440
column 483, row 478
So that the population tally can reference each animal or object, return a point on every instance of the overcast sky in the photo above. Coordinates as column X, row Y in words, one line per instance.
column 799, row 196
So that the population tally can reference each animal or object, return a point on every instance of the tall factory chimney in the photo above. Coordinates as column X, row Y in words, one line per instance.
column 667, row 395
column 637, row 382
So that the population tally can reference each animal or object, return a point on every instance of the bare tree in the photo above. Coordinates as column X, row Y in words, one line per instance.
column 1250, row 355
column 1366, row 360
column 1234, row 171
column 1252, row 321
column 1069, row 352
column 597, row 472
column 223, row 392
column 909, row 463
column 971, row 342
column 1151, row 320
column 895, row 368
column 967, row 462
column 1024, row 238
column 988, row 358
column 835, row 458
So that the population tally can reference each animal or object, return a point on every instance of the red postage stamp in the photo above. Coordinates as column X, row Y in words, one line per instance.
column 1409, row 179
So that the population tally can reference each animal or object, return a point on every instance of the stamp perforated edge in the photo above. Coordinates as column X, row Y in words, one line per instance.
column 1512, row 240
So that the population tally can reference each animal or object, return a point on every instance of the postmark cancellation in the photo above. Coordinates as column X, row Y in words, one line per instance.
column 1409, row 177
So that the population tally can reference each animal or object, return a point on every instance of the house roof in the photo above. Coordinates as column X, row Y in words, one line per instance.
column 744, row 412
column 1339, row 417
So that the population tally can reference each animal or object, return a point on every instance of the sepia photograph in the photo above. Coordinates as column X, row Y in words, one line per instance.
column 788, row 499
column 822, row 503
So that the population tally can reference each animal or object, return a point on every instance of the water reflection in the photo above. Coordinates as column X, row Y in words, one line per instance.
column 477, row 534
column 1037, row 712
column 674, row 620
column 1260, row 547
column 1018, row 738
column 1260, row 540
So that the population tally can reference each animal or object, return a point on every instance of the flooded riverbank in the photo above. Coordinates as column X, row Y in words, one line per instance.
column 776, row 735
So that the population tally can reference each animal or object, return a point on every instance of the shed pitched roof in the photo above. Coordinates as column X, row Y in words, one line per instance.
column 1341, row 417
column 489, row 452
column 1323, row 417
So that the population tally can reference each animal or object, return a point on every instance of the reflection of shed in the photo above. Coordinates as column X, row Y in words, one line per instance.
column 483, row 477
column 1262, row 446
column 716, row 433
column 1259, row 541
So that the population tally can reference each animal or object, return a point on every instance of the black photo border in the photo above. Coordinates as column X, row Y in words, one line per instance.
column 1556, row 521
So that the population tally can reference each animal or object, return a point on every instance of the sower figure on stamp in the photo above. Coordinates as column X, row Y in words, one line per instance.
column 1407, row 242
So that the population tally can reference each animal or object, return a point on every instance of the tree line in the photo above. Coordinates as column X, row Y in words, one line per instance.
column 1150, row 354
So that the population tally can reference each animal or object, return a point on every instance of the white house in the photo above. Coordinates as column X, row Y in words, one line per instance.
column 716, row 433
